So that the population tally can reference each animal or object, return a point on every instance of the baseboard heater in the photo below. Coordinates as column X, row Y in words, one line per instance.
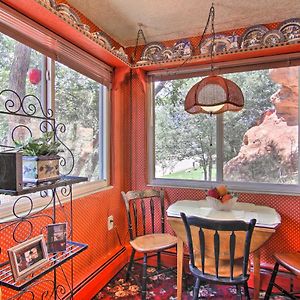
column 95, row 273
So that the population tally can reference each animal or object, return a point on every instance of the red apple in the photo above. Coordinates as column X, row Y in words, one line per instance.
column 213, row 193
column 35, row 75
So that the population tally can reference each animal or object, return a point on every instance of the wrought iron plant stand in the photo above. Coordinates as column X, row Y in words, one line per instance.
column 53, row 280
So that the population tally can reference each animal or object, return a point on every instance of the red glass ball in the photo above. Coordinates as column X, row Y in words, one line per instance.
column 35, row 75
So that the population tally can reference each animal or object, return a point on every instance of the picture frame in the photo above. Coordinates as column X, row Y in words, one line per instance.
column 56, row 237
column 27, row 257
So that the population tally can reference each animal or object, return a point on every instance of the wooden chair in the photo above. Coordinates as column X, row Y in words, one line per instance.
column 219, row 251
column 291, row 262
column 146, row 221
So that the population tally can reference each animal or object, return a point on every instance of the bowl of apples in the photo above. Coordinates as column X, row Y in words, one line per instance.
column 219, row 198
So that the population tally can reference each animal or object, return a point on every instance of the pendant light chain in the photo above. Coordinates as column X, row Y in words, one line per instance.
column 212, row 15
column 140, row 34
column 211, row 18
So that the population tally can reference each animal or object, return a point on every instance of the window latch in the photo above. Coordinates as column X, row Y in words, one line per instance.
column 48, row 76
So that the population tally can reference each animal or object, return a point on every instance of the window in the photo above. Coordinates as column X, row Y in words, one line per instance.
column 255, row 149
column 79, row 102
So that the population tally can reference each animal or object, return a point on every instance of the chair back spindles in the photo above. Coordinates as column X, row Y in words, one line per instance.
column 143, row 215
column 162, row 208
column 211, row 236
column 142, row 212
column 232, row 242
column 202, row 248
column 135, row 217
column 152, row 214
column 247, row 245
column 217, row 251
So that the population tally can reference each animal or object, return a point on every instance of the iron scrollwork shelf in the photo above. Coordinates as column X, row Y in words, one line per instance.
column 27, row 117
column 55, row 260
column 29, row 188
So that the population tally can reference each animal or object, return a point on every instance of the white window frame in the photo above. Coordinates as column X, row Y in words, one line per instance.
column 245, row 187
column 79, row 190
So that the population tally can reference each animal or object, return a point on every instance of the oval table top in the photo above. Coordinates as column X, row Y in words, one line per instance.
column 265, row 216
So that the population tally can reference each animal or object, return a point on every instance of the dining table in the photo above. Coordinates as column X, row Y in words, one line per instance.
column 267, row 220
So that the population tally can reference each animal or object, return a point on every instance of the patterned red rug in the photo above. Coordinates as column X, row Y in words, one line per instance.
column 163, row 287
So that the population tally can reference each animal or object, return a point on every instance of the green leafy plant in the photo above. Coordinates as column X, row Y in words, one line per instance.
column 44, row 145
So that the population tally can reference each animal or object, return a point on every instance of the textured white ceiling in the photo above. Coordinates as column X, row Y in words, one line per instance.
column 173, row 19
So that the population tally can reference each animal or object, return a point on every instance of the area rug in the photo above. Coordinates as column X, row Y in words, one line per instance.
column 163, row 287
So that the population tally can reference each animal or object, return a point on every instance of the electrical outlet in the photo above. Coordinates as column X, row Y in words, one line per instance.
column 110, row 222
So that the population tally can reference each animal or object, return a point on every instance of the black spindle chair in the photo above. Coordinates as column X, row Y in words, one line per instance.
column 219, row 251
column 146, row 221
column 291, row 262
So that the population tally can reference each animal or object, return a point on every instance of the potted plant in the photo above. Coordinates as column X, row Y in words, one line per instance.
column 40, row 158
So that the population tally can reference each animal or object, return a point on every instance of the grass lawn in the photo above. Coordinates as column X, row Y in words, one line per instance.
column 190, row 174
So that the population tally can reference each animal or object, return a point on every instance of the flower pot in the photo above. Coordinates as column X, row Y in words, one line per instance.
column 38, row 169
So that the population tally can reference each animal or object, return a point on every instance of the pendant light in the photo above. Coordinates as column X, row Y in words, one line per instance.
column 213, row 94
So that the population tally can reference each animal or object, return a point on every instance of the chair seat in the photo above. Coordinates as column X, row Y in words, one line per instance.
column 290, row 261
column 153, row 242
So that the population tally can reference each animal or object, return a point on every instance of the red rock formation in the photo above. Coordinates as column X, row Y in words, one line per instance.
column 285, row 99
column 277, row 127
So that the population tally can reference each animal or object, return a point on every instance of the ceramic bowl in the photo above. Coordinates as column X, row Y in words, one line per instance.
column 218, row 205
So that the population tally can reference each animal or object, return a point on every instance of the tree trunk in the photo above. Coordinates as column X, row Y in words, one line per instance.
column 95, row 157
column 205, row 172
column 84, row 156
column 210, row 165
column 17, row 83
column 19, row 69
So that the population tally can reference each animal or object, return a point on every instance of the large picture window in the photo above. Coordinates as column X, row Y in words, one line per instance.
column 79, row 102
column 254, row 149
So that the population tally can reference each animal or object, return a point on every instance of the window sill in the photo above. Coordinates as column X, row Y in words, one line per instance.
column 88, row 188
column 252, row 188
column 40, row 203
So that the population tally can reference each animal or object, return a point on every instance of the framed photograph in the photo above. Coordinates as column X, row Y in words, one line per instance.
column 57, row 237
column 26, row 257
